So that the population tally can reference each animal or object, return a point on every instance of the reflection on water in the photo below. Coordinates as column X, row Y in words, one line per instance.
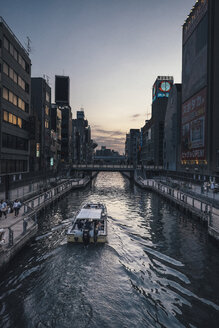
column 158, row 268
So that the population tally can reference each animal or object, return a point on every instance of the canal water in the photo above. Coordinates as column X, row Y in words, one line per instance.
column 158, row 269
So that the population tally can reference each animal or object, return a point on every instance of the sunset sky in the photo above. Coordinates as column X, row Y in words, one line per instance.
column 112, row 50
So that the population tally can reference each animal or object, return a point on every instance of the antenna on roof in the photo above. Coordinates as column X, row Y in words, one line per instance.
column 28, row 45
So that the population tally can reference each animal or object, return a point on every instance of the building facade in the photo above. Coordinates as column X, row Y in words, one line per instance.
column 153, row 131
column 15, row 86
column 171, row 147
column 200, row 97
column 41, row 107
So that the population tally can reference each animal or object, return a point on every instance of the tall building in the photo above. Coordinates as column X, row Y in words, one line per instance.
column 133, row 146
column 171, row 158
column 153, row 131
column 41, row 106
column 56, row 133
column 83, row 145
column 62, row 96
column 14, row 103
column 200, row 96
column 62, row 90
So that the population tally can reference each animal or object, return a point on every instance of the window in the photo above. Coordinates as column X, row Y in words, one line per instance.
column 5, row 93
column 27, row 67
column 11, row 73
column 19, row 122
column 21, row 83
column 46, row 124
column 5, row 116
column 10, row 119
column 21, row 61
column 47, row 110
column 15, row 78
column 21, row 104
column 11, row 49
column 6, row 43
column 15, row 54
column 15, row 100
column 27, row 88
column 11, row 97
column 14, row 119
column 26, row 108
column 47, row 97
column 5, row 68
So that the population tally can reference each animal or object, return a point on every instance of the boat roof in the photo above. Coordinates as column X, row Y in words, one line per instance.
column 89, row 213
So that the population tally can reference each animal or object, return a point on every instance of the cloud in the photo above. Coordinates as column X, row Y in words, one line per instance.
column 135, row 116
column 113, row 139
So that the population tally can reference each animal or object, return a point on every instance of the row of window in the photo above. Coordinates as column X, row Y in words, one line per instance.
column 12, row 166
column 15, row 77
column 14, row 142
column 11, row 49
column 15, row 120
column 15, row 100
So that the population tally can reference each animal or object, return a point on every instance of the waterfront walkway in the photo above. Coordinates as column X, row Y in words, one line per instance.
column 197, row 203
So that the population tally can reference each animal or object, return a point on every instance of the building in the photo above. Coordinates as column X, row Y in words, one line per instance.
column 14, row 103
column 62, row 90
column 41, row 107
column 153, row 131
column 132, row 147
column 56, row 134
column 171, row 147
column 82, row 144
column 200, row 97
column 66, row 131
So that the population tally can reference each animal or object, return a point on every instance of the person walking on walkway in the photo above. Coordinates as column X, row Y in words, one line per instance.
column 16, row 207
column 4, row 208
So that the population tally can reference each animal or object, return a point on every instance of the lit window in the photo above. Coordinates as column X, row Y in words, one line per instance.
column 15, row 100
column 5, row 116
column 11, row 97
column 21, row 104
column 19, row 122
column 46, row 124
column 14, row 119
column 10, row 118
column 47, row 110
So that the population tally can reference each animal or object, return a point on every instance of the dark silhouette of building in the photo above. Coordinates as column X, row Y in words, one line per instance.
column 62, row 90
column 14, row 103
column 200, row 96
column 153, row 131
column 41, row 106
column 171, row 147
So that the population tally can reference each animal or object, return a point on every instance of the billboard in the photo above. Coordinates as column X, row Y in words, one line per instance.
column 62, row 85
column 193, row 128
column 194, row 61
column 161, row 89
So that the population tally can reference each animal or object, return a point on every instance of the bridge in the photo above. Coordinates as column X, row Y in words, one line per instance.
column 113, row 167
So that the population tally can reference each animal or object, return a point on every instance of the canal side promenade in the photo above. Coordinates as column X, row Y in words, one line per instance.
column 17, row 231
column 203, row 206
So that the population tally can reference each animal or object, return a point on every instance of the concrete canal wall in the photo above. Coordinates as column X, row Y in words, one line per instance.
column 17, row 232
column 188, row 203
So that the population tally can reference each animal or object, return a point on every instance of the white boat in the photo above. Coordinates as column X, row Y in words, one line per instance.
column 89, row 225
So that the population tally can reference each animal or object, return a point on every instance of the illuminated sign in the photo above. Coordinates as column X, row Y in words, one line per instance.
column 51, row 161
column 37, row 150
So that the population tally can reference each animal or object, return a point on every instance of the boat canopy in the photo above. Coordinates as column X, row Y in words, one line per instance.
column 91, row 213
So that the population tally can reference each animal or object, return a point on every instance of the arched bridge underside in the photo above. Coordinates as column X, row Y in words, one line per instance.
column 111, row 167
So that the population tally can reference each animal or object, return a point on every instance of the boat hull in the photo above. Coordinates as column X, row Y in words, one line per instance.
column 76, row 240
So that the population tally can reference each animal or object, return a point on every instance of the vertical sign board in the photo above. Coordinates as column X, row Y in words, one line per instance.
column 194, row 84
column 193, row 127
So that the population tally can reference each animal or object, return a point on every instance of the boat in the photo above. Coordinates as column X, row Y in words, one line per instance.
column 89, row 225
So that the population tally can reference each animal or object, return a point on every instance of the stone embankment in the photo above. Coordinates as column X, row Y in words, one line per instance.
column 193, row 204
column 17, row 231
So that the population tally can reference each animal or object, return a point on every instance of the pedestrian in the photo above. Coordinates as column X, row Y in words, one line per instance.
column 4, row 208
column 16, row 207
